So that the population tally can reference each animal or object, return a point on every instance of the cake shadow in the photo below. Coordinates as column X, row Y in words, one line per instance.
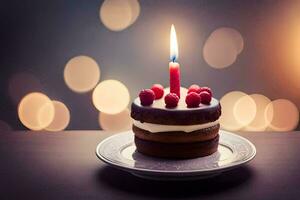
column 124, row 181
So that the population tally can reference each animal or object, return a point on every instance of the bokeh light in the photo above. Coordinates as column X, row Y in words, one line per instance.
column 117, row 15
column 117, row 122
column 61, row 118
column 135, row 10
column 36, row 111
column 232, row 36
column 259, row 122
column 228, row 120
column 282, row 115
column 4, row 126
column 82, row 74
column 244, row 110
column 222, row 47
column 21, row 84
column 111, row 97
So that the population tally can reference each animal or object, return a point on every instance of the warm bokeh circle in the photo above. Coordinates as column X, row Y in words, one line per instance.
column 61, row 118
column 282, row 115
column 117, row 15
column 222, row 47
column 117, row 122
column 259, row 122
column 81, row 74
column 36, row 111
column 111, row 97
column 228, row 119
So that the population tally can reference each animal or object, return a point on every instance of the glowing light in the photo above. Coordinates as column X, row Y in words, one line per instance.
column 218, row 56
column 21, row 84
column 232, row 36
column 81, row 74
column 259, row 123
column 282, row 115
column 111, row 97
column 61, row 118
column 118, row 122
column 173, row 44
column 117, row 15
column 222, row 47
column 244, row 110
column 36, row 111
column 135, row 10
column 228, row 120
column 4, row 126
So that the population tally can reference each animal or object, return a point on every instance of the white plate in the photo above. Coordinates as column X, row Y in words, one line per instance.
column 119, row 151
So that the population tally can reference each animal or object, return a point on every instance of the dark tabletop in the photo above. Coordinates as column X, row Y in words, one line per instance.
column 41, row 165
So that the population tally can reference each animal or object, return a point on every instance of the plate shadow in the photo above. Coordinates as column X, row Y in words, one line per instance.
column 121, row 180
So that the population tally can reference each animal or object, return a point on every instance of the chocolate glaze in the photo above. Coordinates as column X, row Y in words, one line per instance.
column 157, row 113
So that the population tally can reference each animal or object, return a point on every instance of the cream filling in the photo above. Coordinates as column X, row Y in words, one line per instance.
column 154, row 128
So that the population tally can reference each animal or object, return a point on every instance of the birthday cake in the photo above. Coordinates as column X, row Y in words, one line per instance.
column 176, row 125
column 176, row 122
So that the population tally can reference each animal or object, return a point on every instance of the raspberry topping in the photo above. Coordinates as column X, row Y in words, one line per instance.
column 147, row 97
column 207, row 89
column 205, row 97
column 171, row 100
column 158, row 90
column 192, row 100
column 194, row 88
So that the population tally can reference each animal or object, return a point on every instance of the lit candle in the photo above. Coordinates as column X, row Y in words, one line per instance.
column 174, row 66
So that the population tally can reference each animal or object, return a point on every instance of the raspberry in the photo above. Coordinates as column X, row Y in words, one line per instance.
column 207, row 89
column 192, row 100
column 147, row 97
column 171, row 100
column 205, row 97
column 194, row 88
column 158, row 90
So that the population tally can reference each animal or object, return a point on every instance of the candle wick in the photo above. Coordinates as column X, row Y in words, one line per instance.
column 173, row 59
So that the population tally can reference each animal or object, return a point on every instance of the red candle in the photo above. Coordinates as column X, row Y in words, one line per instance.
column 174, row 78
column 174, row 66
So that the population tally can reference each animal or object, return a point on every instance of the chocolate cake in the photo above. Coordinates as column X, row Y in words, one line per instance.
column 178, row 131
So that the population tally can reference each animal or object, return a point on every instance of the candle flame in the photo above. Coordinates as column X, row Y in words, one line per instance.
column 173, row 44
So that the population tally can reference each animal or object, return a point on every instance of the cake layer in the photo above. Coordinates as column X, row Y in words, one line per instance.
column 154, row 128
column 177, row 136
column 157, row 113
column 177, row 150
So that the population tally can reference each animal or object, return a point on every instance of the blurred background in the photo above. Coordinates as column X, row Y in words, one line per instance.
column 78, row 64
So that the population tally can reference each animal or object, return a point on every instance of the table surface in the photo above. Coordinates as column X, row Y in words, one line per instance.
column 63, row 165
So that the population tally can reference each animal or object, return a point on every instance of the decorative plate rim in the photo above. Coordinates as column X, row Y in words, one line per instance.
column 229, row 166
